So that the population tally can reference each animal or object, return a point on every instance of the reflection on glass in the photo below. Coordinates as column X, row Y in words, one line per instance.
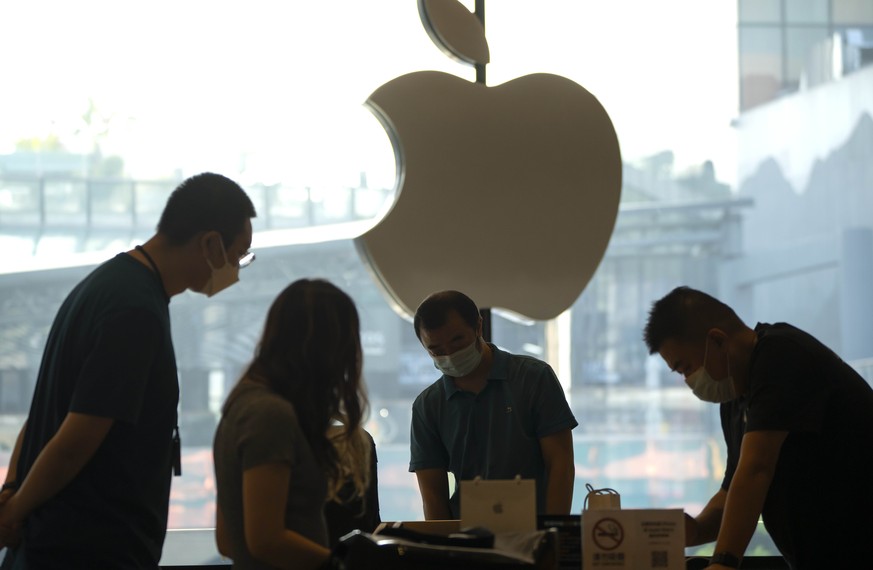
column 807, row 51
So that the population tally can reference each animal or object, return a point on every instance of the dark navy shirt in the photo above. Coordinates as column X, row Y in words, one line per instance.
column 818, row 508
column 493, row 434
column 109, row 354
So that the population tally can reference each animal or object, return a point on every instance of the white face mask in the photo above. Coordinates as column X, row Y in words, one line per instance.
column 459, row 363
column 221, row 278
column 707, row 388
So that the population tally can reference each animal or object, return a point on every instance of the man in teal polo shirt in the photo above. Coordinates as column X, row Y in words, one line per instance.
column 492, row 414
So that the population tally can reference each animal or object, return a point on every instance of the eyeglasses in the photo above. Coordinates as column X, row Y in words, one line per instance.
column 246, row 259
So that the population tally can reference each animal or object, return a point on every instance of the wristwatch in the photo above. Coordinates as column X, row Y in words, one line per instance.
column 725, row 559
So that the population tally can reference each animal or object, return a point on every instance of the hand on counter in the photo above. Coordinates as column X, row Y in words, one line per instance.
column 10, row 531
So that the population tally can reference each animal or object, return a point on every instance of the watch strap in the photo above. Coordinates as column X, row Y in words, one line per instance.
column 725, row 559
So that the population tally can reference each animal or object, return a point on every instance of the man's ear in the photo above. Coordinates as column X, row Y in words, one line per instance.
column 210, row 245
column 717, row 336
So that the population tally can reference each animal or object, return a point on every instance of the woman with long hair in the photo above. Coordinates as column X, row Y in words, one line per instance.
column 276, row 446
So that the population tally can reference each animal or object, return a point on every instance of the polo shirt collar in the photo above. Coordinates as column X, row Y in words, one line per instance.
column 499, row 368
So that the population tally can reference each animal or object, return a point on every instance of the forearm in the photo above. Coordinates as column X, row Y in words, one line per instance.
column 557, row 450
column 703, row 529
column 58, row 463
column 759, row 454
column 433, row 484
column 561, row 476
column 12, row 470
column 291, row 550
column 222, row 540
column 436, row 508
column 52, row 471
column 265, row 498
column 10, row 528
column 745, row 501
column 705, row 526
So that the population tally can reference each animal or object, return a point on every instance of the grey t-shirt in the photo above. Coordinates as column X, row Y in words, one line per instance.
column 258, row 427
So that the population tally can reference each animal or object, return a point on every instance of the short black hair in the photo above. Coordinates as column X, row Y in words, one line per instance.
column 434, row 311
column 686, row 314
column 205, row 202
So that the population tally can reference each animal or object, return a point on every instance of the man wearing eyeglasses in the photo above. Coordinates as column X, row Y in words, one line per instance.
column 89, row 479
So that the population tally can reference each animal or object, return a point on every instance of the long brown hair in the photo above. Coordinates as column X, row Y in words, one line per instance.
column 310, row 354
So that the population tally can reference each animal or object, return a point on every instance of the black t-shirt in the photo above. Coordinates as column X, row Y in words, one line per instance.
column 819, row 508
column 109, row 354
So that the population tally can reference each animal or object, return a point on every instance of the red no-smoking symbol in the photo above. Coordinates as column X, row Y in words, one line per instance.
column 607, row 534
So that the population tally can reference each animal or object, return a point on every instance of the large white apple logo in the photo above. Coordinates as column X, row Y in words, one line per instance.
column 508, row 193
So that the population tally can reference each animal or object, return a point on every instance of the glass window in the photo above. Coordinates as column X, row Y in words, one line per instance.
column 806, row 48
column 855, row 12
column 857, row 47
column 761, row 71
column 806, row 11
column 100, row 120
column 760, row 11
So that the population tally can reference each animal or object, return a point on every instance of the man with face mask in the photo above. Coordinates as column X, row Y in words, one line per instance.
column 89, row 479
column 798, row 423
column 492, row 414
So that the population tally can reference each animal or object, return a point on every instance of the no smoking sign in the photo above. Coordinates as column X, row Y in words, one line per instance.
column 633, row 539
column 607, row 533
